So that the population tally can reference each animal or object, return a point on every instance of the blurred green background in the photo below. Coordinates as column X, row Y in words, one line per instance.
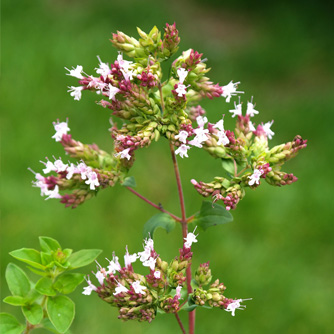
column 279, row 248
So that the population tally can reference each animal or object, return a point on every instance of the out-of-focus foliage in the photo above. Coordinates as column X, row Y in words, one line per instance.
column 278, row 249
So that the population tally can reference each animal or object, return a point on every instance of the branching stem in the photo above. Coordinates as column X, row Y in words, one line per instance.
column 153, row 204
column 184, row 232
column 180, row 323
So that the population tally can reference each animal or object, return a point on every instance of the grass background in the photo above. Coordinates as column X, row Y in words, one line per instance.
column 279, row 248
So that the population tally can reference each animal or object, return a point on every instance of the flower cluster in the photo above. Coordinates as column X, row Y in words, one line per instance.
column 138, row 296
column 150, row 109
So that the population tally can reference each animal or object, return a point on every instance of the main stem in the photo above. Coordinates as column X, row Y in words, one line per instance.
column 184, row 233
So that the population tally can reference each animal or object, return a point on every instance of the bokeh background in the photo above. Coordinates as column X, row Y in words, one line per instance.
column 279, row 248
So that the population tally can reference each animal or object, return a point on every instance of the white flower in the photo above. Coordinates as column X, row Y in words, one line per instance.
column 190, row 239
column 103, row 69
column 220, row 125
column 250, row 109
column 53, row 193
column 61, row 129
column 49, row 167
column 178, row 292
column 230, row 90
column 149, row 243
column 124, row 64
column 100, row 276
column 145, row 255
column 157, row 274
column 251, row 126
column 124, row 154
column 112, row 92
column 72, row 169
column 75, row 72
column 182, row 150
column 222, row 138
column 182, row 136
column 88, row 289
column 255, row 177
column 150, row 263
column 60, row 166
column 267, row 130
column 75, row 92
column 128, row 75
column 83, row 169
column 235, row 305
column 181, row 89
column 195, row 142
column 237, row 111
column 113, row 265
column 182, row 74
column 128, row 259
column 96, row 83
column 120, row 288
column 138, row 288
column 201, row 121
column 93, row 180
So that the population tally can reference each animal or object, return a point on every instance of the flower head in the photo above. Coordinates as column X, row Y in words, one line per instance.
column 53, row 193
column 182, row 74
column 124, row 154
column 267, row 130
column 182, row 150
column 182, row 136
column 103, row 69
column 190, row 239
column 128, row 259
column 255, row 177
column 93, row 180
column 235, row 305
column 88, row 289
column 61, row 129
column 119, row 289
column 230, row 90
column 75, row 72
column 113, row 265
column 181, row 89
column 250, row 109
column 75, row 92
column 138, row 287
column 237, row 110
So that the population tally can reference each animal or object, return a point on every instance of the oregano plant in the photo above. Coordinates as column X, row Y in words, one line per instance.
column 147, row 105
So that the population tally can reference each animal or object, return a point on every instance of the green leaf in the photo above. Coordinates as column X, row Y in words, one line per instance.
column 67, row 283
column 212, row 215
column 17, row 280
column 44, row 287
column 15, row 300
column 162, row 220
column 10, row 325
column 129, row 182
column 47, row 324
column 228, row 165
column 48, row 244
column 188, row 307
column 33, row 313
column 38, row 272
column 46, row 258
column 61, row 310
column 83, row 258
column 28, row 255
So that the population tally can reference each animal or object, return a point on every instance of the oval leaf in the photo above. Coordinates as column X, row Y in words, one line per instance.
column 33, row 313
column 61, row 312
column 129, row 182
column 28, row 255
column 83, row 257
column 10, row 325
column 17, row 280
column 48, row 244
column 15, row 300
column 228, row 165
column 162, row 220
column 44, row 287
column 212, row 215
column 67, row 283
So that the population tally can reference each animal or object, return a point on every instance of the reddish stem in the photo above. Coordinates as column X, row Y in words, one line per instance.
column 180, row 323
column 154, row 205
column 184, row 233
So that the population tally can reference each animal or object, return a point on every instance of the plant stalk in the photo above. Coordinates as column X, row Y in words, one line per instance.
column 191, row 318
column 159, row 207
column 180, row 323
